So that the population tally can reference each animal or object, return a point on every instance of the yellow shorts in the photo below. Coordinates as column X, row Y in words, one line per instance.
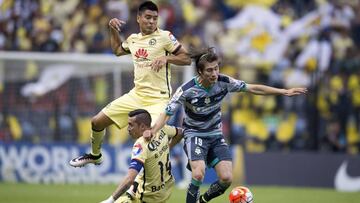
column 127, row 199
column 159, row 197
column 118, row 109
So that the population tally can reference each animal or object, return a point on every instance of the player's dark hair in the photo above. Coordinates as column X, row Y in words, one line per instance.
column 147, row 5
column 201, row 56
column 141, row 116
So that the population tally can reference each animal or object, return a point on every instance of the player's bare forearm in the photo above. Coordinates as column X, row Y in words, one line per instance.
column 267, row 90
column 176, row 139
column 115, row 26
column 160, row 122
column 125, row 184
column 115, row 42
column 122, row 188
column 181, row 59
column 264, row 90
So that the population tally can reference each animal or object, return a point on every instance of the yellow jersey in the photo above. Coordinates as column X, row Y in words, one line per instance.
column 144, row 49
column 155, row 180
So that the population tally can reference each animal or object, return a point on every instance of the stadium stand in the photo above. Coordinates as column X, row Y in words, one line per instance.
column 286, row 43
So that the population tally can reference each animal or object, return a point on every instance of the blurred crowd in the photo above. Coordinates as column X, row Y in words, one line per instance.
column 312, row 43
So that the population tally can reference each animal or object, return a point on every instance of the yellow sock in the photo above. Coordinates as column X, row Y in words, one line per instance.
column 96, row 141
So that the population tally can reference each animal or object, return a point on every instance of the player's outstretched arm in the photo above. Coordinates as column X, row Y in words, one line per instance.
column 123, row 186
column 160, row 123
column 267, row 90
column 181, row 58
column 115, row 40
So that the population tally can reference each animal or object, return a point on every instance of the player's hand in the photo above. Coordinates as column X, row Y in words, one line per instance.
column 147, row 134
column 158, row 63
column 108, row 200
column 295, row 91
column 116, row 24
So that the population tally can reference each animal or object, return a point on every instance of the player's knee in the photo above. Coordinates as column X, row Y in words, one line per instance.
column 226, row 177
column 96, row 123
column 198, row 174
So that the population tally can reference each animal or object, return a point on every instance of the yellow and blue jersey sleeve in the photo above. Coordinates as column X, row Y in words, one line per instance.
column 138, row 155
column 170, row 42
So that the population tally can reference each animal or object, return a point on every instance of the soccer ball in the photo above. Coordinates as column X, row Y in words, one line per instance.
column 241, row 194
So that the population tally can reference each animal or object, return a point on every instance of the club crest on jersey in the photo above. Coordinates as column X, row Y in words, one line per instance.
column 207, row 100
column 136, row 149
column 141, row 53
column 152, row 42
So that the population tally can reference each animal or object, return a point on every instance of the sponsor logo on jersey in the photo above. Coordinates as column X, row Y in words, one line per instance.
column 157, row 188
column 141, row 53
column 153, row 145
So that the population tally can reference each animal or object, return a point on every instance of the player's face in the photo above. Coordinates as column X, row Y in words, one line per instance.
column 134, row 128
column 210, row 73
column 147, row 21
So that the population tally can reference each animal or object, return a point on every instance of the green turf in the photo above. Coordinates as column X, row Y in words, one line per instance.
column 29, row 193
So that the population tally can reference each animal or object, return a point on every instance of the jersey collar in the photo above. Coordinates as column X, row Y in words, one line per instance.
column 196, row 78
column 155, row 32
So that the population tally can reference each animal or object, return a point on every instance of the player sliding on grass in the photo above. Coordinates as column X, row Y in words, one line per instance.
column 152, row 51
column 204, row 142
column 149, row 159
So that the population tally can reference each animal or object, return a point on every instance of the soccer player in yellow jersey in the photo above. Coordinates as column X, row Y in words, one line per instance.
column 152, row 51
column 149, row 159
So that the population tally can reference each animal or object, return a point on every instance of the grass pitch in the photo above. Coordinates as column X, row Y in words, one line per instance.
column 37, row 193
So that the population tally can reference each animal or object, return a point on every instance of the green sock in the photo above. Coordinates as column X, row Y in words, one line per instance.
column 96, row 141
column 193, row 191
